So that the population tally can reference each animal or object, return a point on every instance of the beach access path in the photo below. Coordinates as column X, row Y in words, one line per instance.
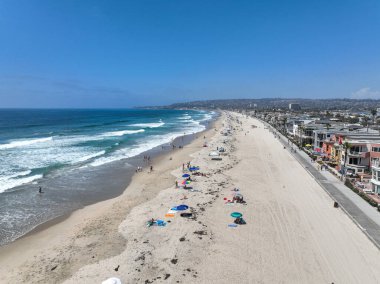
column 364, row 215
column 293, row 233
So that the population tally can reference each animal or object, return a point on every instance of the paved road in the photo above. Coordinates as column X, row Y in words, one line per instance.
column 364, row 215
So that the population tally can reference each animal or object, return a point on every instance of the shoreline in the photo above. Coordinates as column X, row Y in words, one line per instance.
column 292, row 234
column 74, row 220
column 128, row 173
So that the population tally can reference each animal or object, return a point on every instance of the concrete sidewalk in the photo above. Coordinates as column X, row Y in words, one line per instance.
column 366, row 217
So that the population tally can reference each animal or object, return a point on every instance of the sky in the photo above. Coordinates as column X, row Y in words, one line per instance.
column 119, row 54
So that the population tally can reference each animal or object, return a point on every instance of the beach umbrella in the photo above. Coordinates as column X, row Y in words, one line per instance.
column 180, row 207
column 236, row 215
column 186, row 182
column 112, row 280
column 307, row 145
column 192, row 169
column 185, row 175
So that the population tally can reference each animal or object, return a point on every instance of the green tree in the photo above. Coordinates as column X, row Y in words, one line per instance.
column 301, row 130
column 374, row 113
column 284, row 121
column 328, row 126
column 365, row 121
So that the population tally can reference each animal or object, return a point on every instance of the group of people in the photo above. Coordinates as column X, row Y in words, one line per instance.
column 146, row 158
column 188, row 165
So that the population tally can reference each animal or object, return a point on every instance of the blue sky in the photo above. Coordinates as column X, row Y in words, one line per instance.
column 95, row 53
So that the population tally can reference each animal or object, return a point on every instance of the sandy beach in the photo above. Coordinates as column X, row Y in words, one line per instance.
column 293, row 233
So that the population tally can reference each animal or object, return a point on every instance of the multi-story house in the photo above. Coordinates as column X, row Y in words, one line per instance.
column 357, row 158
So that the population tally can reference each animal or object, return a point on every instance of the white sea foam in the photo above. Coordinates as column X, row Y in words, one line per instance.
column 23, row 143
column 143, row 146
column 185, row 117
column 13, row 182
column 122, row 132
column 149, row 125
column 88, row 157
column 15, row 175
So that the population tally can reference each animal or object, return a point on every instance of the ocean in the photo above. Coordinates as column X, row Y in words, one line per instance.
column 77, row 157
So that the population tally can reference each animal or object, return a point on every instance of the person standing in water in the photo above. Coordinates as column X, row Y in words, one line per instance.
column 40, row 190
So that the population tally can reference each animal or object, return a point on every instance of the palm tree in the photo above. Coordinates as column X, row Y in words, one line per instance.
column 328, row 126
column 365, row 120
column 374, row 113
column 346, row 147
column 284, row 121
column 301, row 129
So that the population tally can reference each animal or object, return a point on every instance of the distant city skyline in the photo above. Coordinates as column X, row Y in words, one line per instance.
column 92, row 54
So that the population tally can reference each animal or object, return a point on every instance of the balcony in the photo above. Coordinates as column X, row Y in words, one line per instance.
column 375, row 181
column 376, row 165
column 353, row 166
column 362, row 154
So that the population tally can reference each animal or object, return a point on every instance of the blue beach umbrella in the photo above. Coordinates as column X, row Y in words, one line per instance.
column 180, row 207
column 185, row 175
column 236, row 215
column 192, row 169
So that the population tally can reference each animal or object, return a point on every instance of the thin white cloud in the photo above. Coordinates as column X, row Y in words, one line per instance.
column 365, row 93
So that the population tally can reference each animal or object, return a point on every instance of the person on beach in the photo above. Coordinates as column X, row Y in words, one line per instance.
column 176, row 184
column 151, row 168
column 40, row 190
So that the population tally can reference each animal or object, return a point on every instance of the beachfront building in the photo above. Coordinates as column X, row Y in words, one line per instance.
column 303, row 132
column 362, row 151
column 320, row 136
column 358, row 157
column 375, row 168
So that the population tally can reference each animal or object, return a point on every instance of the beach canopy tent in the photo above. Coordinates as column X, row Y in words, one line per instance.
column 185, row 175
column 112, row 280
column 236, row 215
column 180, row 207
column 213, row 154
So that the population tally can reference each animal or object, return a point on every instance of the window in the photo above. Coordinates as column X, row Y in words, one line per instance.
column 375, row 149
column 355, row 149
column 353, row 161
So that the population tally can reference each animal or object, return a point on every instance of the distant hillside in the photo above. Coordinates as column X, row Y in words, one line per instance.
column 270, row 103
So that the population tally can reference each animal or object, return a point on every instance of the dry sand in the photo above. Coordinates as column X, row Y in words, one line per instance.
column 293, row 233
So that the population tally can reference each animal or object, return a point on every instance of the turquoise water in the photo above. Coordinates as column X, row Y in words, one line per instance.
column 33, row 143
column 78, row 157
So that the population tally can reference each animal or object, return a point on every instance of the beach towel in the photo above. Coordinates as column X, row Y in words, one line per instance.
column 112, row 280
